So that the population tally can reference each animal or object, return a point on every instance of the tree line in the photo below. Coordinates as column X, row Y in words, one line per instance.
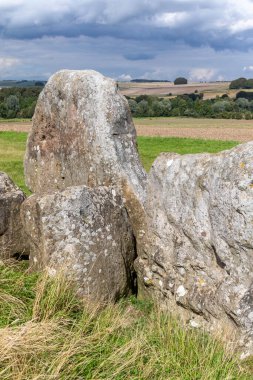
column 241, row 83
column 193, row 105
column 18, row 102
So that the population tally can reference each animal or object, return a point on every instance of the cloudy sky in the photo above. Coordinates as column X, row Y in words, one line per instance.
column 124, row 39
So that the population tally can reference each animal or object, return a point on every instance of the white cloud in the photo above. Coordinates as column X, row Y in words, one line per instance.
column 241, row 25
column 248, row 68
column 170, row 19
column 202, row 74
column 6, row 62
column 124, row 78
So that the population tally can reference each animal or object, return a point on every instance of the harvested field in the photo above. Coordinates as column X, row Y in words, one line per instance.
column 210, row 90
column 214, row 129
column 16, row 126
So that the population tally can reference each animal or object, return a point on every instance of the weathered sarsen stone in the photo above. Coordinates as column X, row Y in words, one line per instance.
column 197, row 253
column 86, row 234
column 83, row 134
column 11, row 233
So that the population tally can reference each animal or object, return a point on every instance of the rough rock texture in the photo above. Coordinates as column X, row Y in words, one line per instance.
column 197, row 253
column 84, row 232
column 83, row 134
column 11, row 233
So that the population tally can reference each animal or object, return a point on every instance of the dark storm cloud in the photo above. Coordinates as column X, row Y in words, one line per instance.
column 139, row 56
column 220, row 24
column 156, row 39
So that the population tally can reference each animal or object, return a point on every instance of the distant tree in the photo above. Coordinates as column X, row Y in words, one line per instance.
column 142, row 108
column 249, row 83
column 175, row 112
column 39, row 84
column 133, row 105
column 139, row 98
column 190, row 113
column 238, row 83
column 194, row 96
column 161, row 108
column 12, row 103
column 251, row 105
column 3, row 110
column 245, row 95
column 221, row 106
column 180, row 80
column 242, row 103
column 248, row 115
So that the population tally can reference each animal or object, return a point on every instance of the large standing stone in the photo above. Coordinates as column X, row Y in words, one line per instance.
column 11, row 234
column 83, row 134
column 197, row 253
column 85, row 233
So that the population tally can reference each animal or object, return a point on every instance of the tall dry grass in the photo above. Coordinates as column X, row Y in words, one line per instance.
column 48, row 333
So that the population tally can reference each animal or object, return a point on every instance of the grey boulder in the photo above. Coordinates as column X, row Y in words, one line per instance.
column 83, row 134
column 196, row 255
column 84, row 233
column 12, row 240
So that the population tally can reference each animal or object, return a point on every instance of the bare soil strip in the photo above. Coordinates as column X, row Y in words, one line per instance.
column 210, row 129
column 221, row 130
column 16, row 127
column 235, row 134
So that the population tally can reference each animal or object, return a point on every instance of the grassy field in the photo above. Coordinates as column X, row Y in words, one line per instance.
column 47, row 333
column 151, row 147
column 12, row 148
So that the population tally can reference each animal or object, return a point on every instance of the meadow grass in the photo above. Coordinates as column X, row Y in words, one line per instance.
column 12, row 149
column 46, row 332
column 151, row 147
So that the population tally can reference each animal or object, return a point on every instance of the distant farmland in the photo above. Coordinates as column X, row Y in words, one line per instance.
column 210, row 129
column 210, row 90
column 214, row 129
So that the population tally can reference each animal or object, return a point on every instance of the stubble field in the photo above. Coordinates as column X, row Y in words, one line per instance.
column 214, row 129
column 210, row 90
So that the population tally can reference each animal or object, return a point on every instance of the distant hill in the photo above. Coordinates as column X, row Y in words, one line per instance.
column 149, row 81
column 22, row 83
